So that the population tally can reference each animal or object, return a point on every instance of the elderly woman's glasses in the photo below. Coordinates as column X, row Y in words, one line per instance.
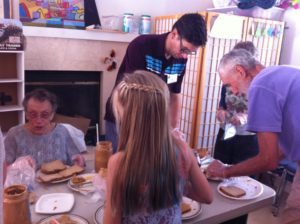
column 184, row 50
column 43, row 115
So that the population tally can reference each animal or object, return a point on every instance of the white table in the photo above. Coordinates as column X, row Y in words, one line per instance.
column 220, row 210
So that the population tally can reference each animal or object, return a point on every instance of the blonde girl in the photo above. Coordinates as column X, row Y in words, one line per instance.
column 153, row 167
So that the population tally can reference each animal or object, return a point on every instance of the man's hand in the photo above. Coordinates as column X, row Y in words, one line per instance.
column 216, row 169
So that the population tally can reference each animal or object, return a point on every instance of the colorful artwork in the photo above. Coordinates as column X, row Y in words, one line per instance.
column 52, row 13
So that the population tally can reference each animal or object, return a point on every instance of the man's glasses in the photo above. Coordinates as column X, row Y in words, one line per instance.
column 34, row 115
column 184, row 50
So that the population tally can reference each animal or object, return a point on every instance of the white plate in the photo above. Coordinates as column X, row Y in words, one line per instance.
column 98, row 218
column 76, row 218
column 196, row 209
column 252, row 187
column 55, row 203
column 86, row 186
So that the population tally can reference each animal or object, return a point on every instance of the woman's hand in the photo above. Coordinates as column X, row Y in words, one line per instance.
column 221, row 115
column 78, row 160
column 239, row 119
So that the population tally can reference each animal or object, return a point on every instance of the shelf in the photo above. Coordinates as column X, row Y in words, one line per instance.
column 11, row 80
column 8, row 108
column 50, row 32
column 11, row 89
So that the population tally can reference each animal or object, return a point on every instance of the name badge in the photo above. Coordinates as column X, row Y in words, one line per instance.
column 172, row 79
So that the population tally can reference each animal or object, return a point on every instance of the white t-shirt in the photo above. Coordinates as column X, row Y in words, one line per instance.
column 2, row 155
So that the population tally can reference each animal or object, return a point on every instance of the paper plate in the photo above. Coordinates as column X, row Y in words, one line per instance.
column 86, row 186
column 196, row 209
column 54, row 203
column 98, row 218
column 252, row 187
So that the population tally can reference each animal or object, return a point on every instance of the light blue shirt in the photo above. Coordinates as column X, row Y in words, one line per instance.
column 58, row 144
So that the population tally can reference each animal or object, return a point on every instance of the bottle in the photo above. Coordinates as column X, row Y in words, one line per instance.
column 127, row 22
column 16, row 205
column 145, row 24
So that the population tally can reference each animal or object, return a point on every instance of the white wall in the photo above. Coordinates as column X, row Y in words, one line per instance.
column 290, row 52
column 152, row 7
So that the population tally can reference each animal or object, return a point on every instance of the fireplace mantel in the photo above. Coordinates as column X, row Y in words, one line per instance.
column 50, row 32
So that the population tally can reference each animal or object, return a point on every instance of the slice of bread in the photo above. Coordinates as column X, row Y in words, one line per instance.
column 53, row 167
column 185, row 207
column 233, row 191
column 46, row 178
column 70, row 171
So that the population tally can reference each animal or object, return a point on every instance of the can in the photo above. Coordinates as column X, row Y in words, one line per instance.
column 145, row 24
column 127, row 22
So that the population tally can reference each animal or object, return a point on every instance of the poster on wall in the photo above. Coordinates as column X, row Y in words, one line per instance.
column 52, row 13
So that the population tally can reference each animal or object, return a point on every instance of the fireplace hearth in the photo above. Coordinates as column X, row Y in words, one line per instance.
column 78, row 94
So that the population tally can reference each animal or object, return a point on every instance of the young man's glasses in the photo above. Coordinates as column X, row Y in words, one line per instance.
column 184, row 50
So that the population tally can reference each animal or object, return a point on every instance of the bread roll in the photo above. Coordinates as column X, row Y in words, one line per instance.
column 185, row 208
column 233, row 191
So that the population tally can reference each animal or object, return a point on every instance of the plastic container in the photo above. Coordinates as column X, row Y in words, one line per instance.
column 145, row 24
column 127, row 22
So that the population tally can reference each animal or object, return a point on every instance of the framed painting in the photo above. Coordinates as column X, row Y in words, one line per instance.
column 52, row 13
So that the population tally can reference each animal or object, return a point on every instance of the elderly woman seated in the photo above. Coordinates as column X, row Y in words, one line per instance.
column 41, row 138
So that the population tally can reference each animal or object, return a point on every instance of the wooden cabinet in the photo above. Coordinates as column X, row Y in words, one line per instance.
column 11, row 89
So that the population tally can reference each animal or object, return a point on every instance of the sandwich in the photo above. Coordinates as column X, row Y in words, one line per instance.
column 77, row 180
column 185, row 207
column 233, row 191
column 53, row 167
column 75, row 169
column 46, row 178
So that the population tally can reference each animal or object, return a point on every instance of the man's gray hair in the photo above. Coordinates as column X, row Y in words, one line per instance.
column 240, row 57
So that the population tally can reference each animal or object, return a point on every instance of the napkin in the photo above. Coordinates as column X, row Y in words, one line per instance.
column 230, row 131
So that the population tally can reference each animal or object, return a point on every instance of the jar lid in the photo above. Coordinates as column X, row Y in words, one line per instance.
column 145, row 16
column 128, row 14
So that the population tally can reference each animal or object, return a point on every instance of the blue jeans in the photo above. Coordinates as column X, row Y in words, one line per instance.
column 111, row 134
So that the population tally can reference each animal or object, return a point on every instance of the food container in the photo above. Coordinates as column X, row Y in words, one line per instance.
column 16, row 205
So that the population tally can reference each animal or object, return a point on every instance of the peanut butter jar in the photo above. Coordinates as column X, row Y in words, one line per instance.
column 16, row 205
column 102, row 153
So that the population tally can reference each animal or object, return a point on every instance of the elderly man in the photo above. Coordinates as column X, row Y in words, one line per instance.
column 273, row 113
